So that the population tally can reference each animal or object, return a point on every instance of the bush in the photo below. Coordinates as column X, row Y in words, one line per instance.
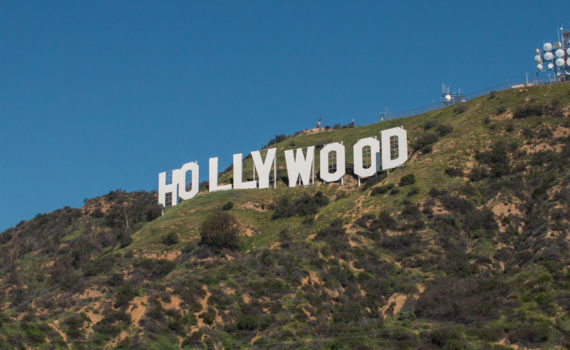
column 381, row 189
column 532, row 331
column 155, row 268
column 276, row 139
column 460, row 108
column 303, row 205
column 423, row 142
column 430, row 124
column 528, row 111
column 125, row 293
column 247, row 323
column 501, row 109
column 220, row 230
column 443, row 130
column 170, row 239
column 385, row 220
column 228, row 206
column 409, row 179
column 496, row 158
column 454, row 172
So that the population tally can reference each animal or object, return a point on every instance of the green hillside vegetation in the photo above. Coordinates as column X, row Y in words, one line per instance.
column 463, row 247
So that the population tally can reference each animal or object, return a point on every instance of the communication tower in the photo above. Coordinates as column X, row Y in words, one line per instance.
column 450, row 98
column 553, row 60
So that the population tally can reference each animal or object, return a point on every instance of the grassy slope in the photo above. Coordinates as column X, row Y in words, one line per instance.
column 295, row 283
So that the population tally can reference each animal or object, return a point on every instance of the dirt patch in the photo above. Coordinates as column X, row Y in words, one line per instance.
column 308, row 314
column 90, row 294
column 314, row 131
column 173, row 304
column 540, row 147
column 249, row 231
column 255, row 206
column 312, row 279
column 505, row 342
column 394, row 304
column 137, row 308
column 172, row 255
column 561, row 131
column 332, row 293
column 204, row 302
column 246, row 298
column 501, row 207
column 503, row 116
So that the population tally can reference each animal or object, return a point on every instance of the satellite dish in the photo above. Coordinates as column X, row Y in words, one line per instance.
column 539, row 67
column 568, row 51
column 548, row 56
column 558, row 74
column 559, row 53
column 537, row 51
column 550, row 65
column 447, row 97
column 537, row 59
column 568, row 62
column 547, row 47
column 560, row 62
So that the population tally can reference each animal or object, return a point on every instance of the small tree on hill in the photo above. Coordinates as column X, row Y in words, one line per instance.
column 220, row 230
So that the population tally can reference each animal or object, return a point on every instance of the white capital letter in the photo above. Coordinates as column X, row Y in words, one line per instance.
column 238, row 174
column 402, row 135
column 163, row 188
column 263, row 168
column 358, row 147
column 214, row 177
column 180, row 176
column 340, row 162
column 299, row 165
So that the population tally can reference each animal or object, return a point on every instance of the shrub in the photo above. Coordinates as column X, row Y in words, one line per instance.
column 170, row 239
column 462, row 299
column 496, row 158
column 303, row 205
column 228, row 206
column 246, row 322
column 430, row 124
column 125, row 293
column 385, row 220
column 492, row 94
column 381, row 189
column 413, row 191
column 220, row 230
column 528, row 111
column 155, row 268
column 531, row 331
column 501, row 109
column 454, row 172
column 460, row 108
column 276, row 140
column 423, row 142
column 409, row 179
column 443, row 130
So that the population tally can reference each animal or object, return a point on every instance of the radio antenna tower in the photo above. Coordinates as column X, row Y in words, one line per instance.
column 554, row 58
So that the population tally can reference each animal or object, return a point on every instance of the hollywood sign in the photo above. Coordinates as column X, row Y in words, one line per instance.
column 300, row 166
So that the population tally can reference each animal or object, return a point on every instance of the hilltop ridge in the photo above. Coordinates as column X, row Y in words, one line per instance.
column 463, row 247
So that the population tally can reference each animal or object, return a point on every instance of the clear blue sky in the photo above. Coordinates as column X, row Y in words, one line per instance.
column 102, row 95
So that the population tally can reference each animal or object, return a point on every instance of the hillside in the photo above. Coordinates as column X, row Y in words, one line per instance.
column 463, row 247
